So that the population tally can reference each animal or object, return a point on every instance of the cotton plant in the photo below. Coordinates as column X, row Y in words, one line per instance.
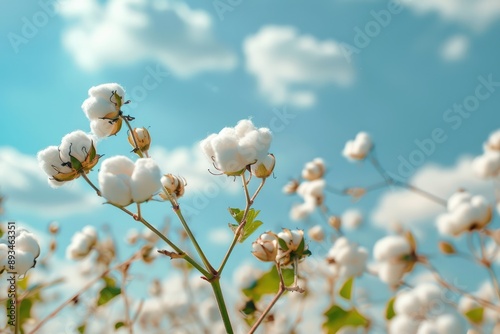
column 127, row 184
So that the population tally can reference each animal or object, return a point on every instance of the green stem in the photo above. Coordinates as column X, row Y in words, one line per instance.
column 178, row 212
column 222, row 305
column 185, row 256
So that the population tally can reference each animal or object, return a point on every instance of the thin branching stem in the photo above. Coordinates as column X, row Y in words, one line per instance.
column 85, row 177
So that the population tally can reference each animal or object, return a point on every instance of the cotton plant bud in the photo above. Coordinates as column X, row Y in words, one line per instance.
column 465, row 213
column 358, row 148
column 232, row 150
column 82, row 243
column 142, row 139
column 395, row 256
column 54, row 228
column 291, row 246
column 27, row 250
column 263, row 168
column 487, row 165
column 103, row 109
column 123, row 182
column 265, row 248
column 75, row 156
column 291, row 187
column 346, row 258
column 446, row 248
column 335, row 222
column 175, row 185
column 314, row 170
column 316, row 233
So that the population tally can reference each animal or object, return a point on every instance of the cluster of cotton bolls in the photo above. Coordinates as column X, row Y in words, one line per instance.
column 487, row 165
column 26, row 250
column 424, row 310
column 233, row 150
column 465, row 213
column 311, row 189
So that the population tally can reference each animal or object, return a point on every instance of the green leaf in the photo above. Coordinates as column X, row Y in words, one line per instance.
column 1, row 227
column 25, row 310
column 268, row 283
column 283, row 244
column 346, row 290
column 337, row 317
column 81, row 329
column 251, row 224
column 475, row 315
column 249, row 308
column 107, row 293
column 119, row 325
column 389, row 309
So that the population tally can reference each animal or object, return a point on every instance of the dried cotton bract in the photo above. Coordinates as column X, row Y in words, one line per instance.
column 123, row 181
column 27, row 251
column 233, row 149
column 102, row 108
column 75, row 156
column 265, row 248
column 358, row 148
column 465, row 213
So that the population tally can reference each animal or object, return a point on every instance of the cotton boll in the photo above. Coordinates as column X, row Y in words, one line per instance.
column 391, row 247
column 314, row 170
column 312, row 188
column 391, row 273
column 50, row 161
column 407, row 302
column 227, row 152
column 82, row 243
column 145, row 180
column 207, row 147
column 303, row 210
column 487, row 165
column 352, row 219
column 347, row 258
column 358, row 148
column 27, row 242
column 493, row 143
column 449, row 323
column 102, row 127
column 243, row 127
column 114, row 180
column 76, row 144
column 403, row 324
column 101, row 101
column 316, row 233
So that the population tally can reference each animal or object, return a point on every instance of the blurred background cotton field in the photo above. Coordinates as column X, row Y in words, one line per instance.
column 236, row 166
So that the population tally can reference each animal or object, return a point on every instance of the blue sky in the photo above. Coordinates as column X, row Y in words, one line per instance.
column 191, row 68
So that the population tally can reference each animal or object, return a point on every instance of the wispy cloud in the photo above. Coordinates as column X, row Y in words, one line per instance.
column 455, row 48
column 289, row 66
column 120, row 32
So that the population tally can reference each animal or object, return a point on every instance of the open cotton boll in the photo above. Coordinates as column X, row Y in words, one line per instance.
column 303, row 210
column 82, row 243
column 488, row 164
column 465, row 213
column 114, row 180
column 391, row 247
column 100, row 102
column 145, row 180
column 358, row 148
column 347, row 258
column 243, row 127
column 493, row 143
column 50, row 161
column 314, row 170
column 352, row 219
column 312, row 188
column 27, row 242
column 102, row 127
column 403, row 324
column 76, row 144
column 27, row 251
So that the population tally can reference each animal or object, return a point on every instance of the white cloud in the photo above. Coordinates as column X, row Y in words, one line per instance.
column 455, row 48
column 220, row 236
column 121, row 32
column 25, row 187
column 407, row 208
column 475, row 14
column 288, row 66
